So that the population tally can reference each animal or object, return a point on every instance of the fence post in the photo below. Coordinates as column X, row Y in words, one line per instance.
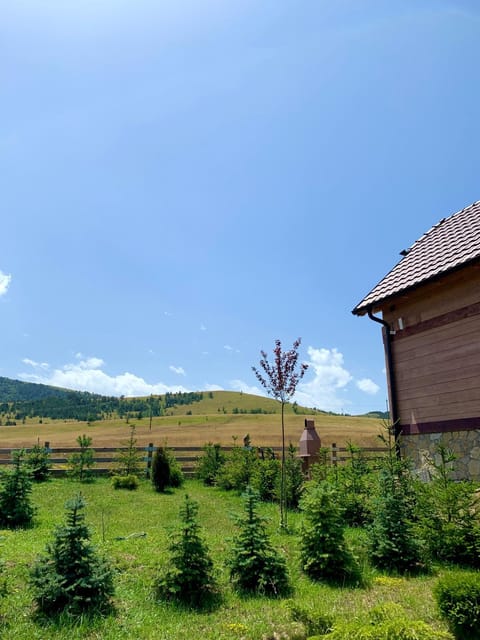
column 334, row 454
column 149, row 459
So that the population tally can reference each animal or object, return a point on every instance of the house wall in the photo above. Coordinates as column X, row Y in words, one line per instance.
column 436, row 356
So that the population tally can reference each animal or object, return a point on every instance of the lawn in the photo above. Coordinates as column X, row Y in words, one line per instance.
column 116, row 515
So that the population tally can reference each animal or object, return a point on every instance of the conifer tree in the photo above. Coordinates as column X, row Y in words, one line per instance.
column 255, row 566
column 189, row 579
column 323, row 551
column 71, row 576
column 16, row 510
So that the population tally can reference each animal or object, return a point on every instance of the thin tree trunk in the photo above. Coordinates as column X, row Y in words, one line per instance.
column 283, row 506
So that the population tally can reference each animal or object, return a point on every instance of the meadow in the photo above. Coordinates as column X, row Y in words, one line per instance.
column 195, row 430
column 115, row 515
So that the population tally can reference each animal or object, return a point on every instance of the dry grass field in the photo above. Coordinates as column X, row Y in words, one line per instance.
column 195, row 430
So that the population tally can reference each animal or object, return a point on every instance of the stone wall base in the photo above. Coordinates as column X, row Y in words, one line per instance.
column 465, row 445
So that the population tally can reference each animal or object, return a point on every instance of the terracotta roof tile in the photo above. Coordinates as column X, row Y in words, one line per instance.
column 452, row 242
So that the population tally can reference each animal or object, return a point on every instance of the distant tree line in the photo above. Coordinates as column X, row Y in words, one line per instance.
column 84, row 406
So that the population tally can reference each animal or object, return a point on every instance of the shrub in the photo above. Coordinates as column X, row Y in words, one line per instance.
column 294, row 478
column 458, row 598
column 313, row 620
column 16, row 510
column 385, row 622
column 71, row 576
column 166, row 472
column 209, row 465
column 266, row 476
column 38, row 461
column 81, row 462
column 449, row 516
column 323, row 551
column 189, row 579
column 125, row 482
column 239, row 468
column 254, row 565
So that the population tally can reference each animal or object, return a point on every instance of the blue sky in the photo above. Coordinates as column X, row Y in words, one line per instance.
column 183, row 182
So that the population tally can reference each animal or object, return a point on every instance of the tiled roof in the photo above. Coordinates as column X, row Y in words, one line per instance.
column 451, row 243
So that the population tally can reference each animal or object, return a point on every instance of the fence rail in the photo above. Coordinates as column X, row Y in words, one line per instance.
column 105, row 457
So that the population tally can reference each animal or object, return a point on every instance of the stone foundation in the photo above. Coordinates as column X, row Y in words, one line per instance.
column 464, row 444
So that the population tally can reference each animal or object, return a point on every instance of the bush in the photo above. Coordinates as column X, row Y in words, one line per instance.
column 71, row 577
column 209, row 465
column 189, row 579
column 254, row 565
column 323, row 551
column 16, row 510
column 266, row 476
column 166, row 472
column 458, row 598
column 294, row 478
column 313, row 620
column 449, row 515
column 239, row 468
column 385, row 622
column 125, row 482
column 38, row 461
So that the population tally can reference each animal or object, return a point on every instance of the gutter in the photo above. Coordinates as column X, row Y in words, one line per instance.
column 394, row 416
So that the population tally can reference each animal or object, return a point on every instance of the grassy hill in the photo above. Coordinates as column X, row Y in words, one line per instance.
column 185, row 420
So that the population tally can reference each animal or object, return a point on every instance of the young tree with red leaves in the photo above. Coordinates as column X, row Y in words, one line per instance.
column 280, row 379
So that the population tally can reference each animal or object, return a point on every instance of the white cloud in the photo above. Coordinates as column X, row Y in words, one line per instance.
column 203, row 327
column 5, row 280
column 179, row 370
column 213, row 387
column 330, row 379
column 36, row 365
column 227, row 347
column 240, row 385
column 87, row 375
column 368, row 386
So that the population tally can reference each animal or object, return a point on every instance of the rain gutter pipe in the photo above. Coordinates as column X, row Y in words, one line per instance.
column 394, row 417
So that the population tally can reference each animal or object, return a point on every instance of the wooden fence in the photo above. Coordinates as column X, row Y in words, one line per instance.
column 187, row 456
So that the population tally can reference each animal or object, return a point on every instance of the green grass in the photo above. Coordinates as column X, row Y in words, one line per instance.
column 113, row 514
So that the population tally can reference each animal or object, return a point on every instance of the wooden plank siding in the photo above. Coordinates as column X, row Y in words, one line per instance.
column 438, row 372
column 452, row 292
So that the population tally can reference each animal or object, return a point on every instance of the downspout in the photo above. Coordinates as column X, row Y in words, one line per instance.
column 394, row 416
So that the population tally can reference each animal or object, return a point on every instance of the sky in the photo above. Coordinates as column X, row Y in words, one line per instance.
column 183, row 182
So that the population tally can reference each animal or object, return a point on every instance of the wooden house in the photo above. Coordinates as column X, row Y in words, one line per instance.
column 430, row 316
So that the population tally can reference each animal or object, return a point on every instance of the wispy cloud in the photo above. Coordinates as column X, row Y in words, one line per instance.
column 87, row 375
column 5, row 280
column 213, row 387
column 227, row 347
column 179, row 370
column 36, row 365
column 368, row 386
column 240, row 385
column 203, row 327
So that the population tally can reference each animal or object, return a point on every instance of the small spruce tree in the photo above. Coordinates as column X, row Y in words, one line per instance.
column 38, row 461
column 255, row 566
column 323, row 550
column 189, row 579
column 71, row 577
column 81, row 462
column 16, row 510
column 395, row 543
column 128, row 462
